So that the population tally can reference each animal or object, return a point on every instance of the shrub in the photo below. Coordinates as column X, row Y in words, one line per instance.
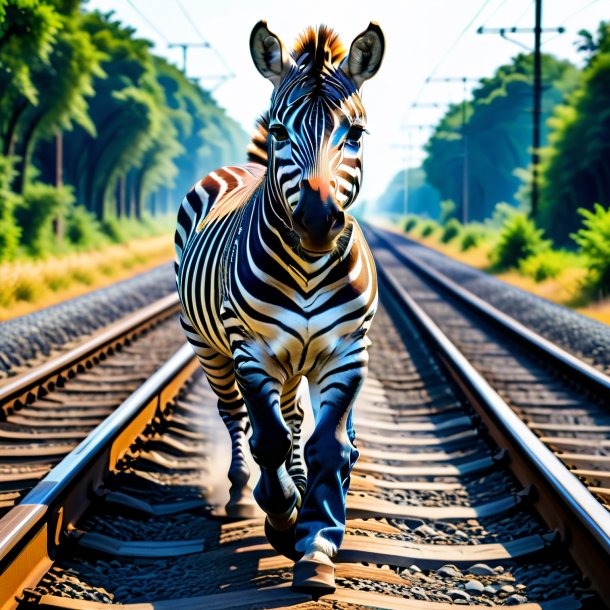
column 410, row 224
column 547, row 264
column 519, row 239
column 29, row 285
column 451, row 230
column 83, row 230
column 470, row 239
column 39, row 207
column 594, row 241
column 448, row 208
column 428, row 228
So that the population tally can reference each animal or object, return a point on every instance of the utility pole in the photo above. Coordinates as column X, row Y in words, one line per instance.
column 465, row 183
column 537, row 110
column 185, row 46
column 407, row 148
column 537, row 90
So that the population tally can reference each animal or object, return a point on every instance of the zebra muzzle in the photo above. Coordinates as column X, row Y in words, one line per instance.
column 317, row 221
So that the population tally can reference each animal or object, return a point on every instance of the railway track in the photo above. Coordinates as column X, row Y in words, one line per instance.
column 451, row 502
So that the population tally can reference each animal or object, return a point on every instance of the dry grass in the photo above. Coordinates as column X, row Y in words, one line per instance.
column 565, row 289
column 27, row 286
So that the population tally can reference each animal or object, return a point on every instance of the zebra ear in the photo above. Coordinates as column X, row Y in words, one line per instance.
column 365, row 55
column 268, row 53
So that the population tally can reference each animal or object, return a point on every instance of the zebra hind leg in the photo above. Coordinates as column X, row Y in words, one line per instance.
column 235, row 418
column 220, row 372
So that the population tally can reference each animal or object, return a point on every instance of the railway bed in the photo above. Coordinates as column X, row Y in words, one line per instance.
column 444, row 508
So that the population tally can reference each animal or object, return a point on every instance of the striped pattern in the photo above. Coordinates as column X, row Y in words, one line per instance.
column 260, row 311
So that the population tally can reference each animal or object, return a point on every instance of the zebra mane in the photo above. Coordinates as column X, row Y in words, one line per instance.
column 322, row 44
column 257, row 149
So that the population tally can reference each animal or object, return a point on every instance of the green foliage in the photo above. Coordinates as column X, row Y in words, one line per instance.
column 36, row 212
column 594, row 241
column 498, row 135
column 83, row 230
column 423, row 199
column 519, row 239
column 448, row 208
column 451, row 230
column 428, row 228
column 471, row 238
column 125, row 115
column 548, row 264
column 410, row 224
column 575, row 170
column 121, row 231
column 10, row 232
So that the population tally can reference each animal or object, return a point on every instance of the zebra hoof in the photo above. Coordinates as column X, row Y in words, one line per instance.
column 315, row 575
column 283, row 541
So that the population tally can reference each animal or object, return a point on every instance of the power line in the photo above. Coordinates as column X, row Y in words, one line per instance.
column 580, row 10
column 150, row 23
column 191, row 22
column 495, row 11
column 453, row 45
column 525, row 12
column 206, row 43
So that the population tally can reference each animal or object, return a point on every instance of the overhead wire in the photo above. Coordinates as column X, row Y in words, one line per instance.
column 148, row 21
column 203, row 38
column 451, row 47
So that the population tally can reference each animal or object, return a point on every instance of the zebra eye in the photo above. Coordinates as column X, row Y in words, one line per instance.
column 354, row 135
column 279, row 133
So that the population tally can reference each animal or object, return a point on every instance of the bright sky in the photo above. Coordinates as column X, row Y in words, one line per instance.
column 423, row 38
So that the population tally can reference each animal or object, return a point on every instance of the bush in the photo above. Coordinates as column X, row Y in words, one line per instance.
column 122, row 230
column 519, row 239
column 548, row 264
column 428, row 228
column 39, row 207
column 410, row 224
column 83, row 230
column 471, row 238
column 451, row 230
column 448, row 208
column 594, row 242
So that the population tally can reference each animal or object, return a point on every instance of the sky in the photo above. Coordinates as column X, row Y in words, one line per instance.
column 424, row 39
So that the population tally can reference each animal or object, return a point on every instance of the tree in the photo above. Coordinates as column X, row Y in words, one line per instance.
column 28, row 30
column 423, row 199
column 576, row 166
column 498, row 130
column 64, row 82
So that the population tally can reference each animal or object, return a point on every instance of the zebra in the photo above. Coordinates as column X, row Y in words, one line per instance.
column 278, row 284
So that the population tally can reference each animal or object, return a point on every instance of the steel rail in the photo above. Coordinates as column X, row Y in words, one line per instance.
column 562, row 499
column 587, row 374
column 31, row 532
column 30, row 385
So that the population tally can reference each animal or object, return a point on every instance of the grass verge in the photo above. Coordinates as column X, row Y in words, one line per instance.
column 566, row 288
column 28, row 286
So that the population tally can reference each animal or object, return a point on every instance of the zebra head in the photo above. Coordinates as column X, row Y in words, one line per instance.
column 316, row 124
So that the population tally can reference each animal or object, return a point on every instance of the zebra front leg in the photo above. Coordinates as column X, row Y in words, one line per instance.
column 292, row 412
column 271, row 444
column 330, row 455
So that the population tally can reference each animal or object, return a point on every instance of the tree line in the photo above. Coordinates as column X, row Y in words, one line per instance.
column 494, row 130
column 132, row 131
